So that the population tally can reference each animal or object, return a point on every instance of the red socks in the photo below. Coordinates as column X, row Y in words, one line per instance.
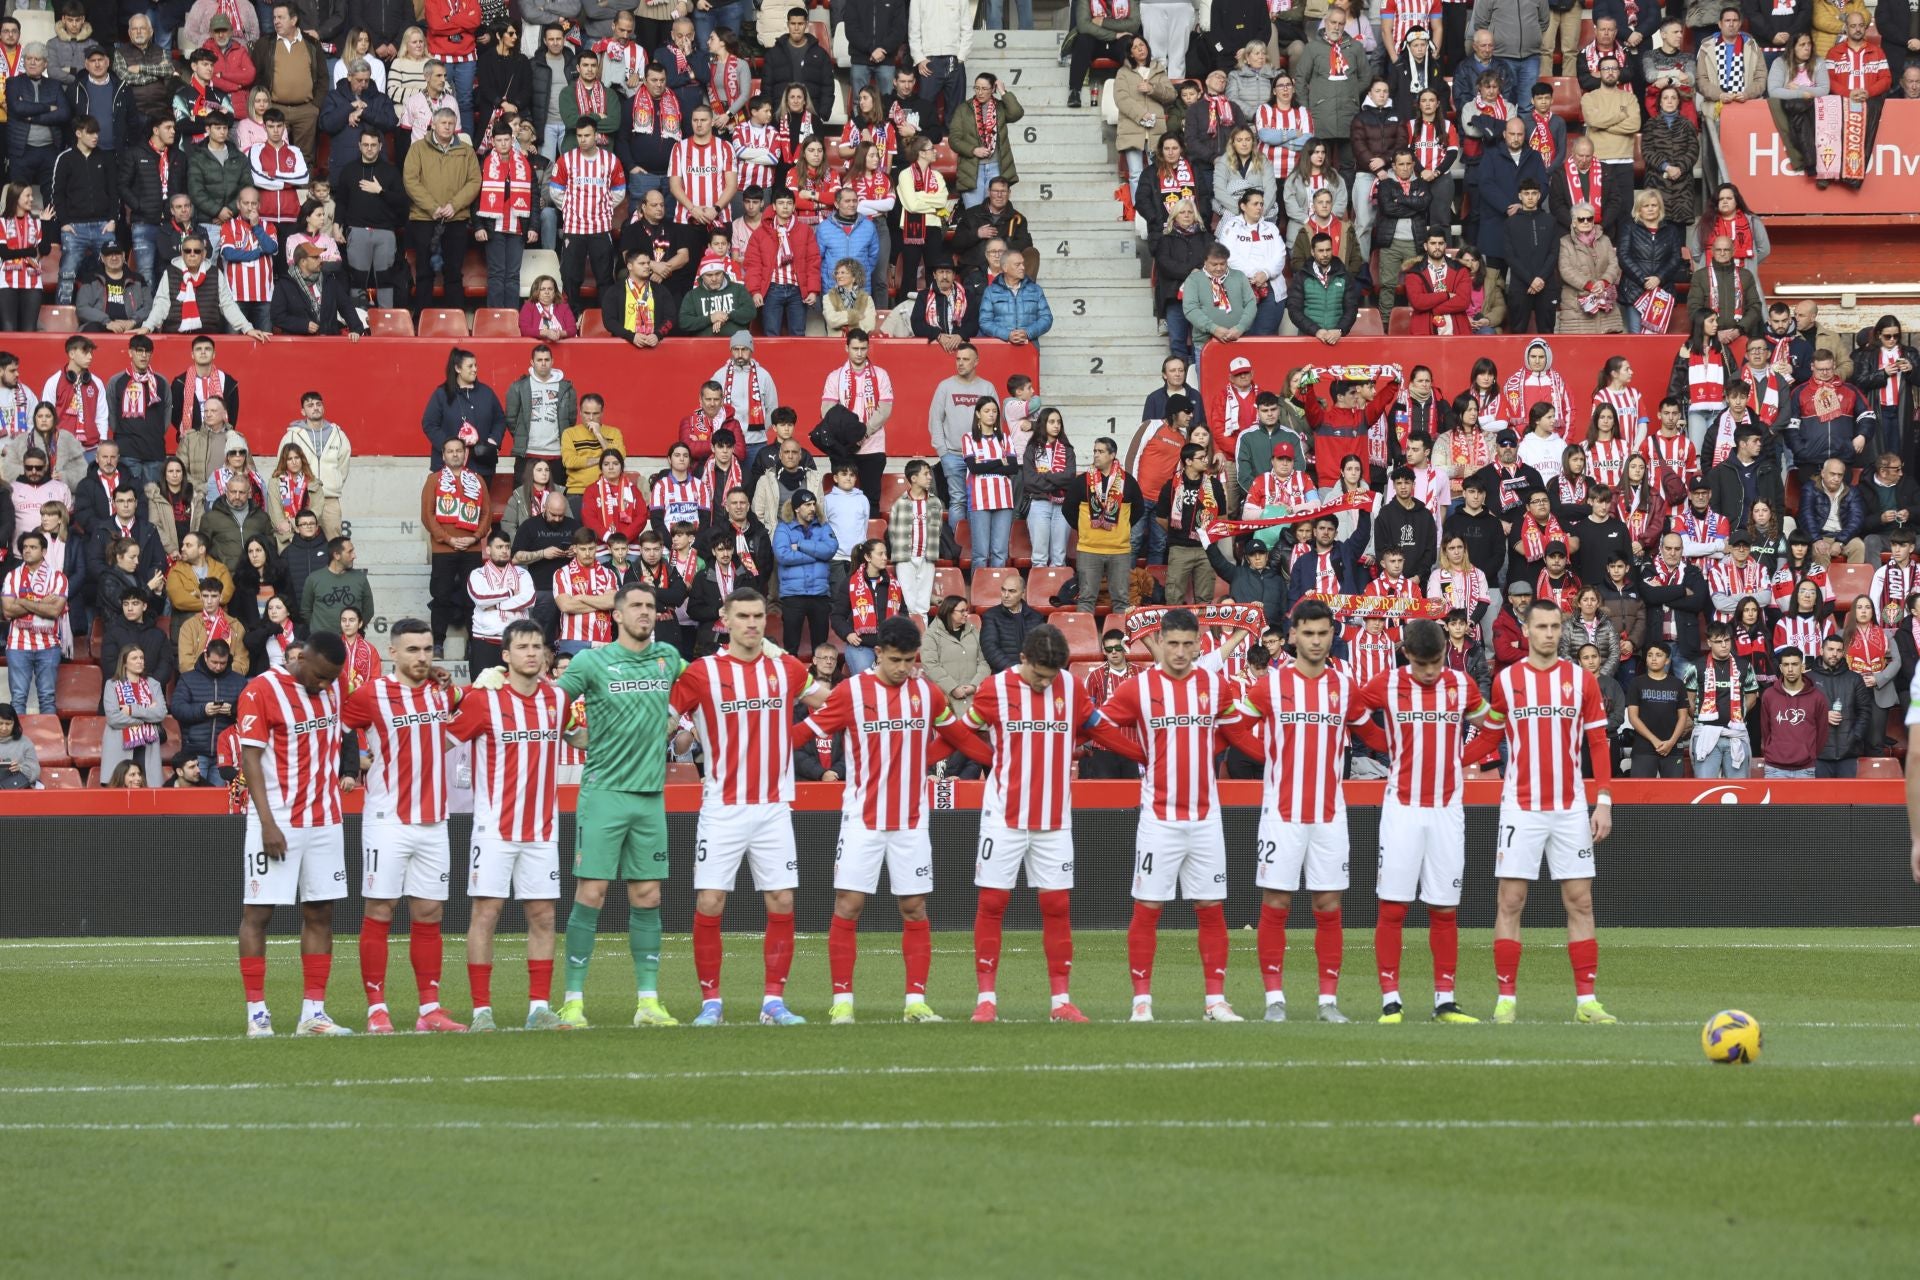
column 916, row 944
column 253, row 978
column 1506, row 963
column 423, row 949
column 1272, row 945
column 1212, row 919
column 778, row 951
column 373, row 958
column 1585, row 956
column 1443, row 939
column 843, row 941
column 1056, row 935
column 707, row 946
column 480, row 982
column 1328, row 942
column 1142, row 936
column 1386, row 944
column 987, row 920
column 314, row 972
column 539, row 979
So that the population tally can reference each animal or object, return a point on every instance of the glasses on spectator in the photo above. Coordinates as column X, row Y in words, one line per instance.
column 1115, row 648
column 1889, row 335
column 1582, row 221
column 195, row 253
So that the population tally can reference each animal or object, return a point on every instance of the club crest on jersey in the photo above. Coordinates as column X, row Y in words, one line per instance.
column 1566, row 688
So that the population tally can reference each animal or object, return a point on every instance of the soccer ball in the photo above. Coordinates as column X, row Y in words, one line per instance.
column 1731, row 1037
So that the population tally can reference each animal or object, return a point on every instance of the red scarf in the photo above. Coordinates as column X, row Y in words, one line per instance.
column 743, row 553
column 1867, row 651
column 1593, row 196
column 1176, row 184
column 860, row 598
column 643, row 109
column 859, row 387
column 986, row 122
column 142, row 389
column 1534, row 538
column 218, row 627
column 1120, row 9
column 616, row 505
column 756, row 403
column 1541, row 138
column 1739, row 229
column 957, row 311
column 1710, row 692
column 592, row 101
column 723, row 87
column 131, row 694
column 458, row 498
column 1336, row 57
column 189, row 298
column 291, row 491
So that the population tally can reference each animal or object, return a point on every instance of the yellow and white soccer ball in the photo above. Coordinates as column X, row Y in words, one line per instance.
column 1731, row 1038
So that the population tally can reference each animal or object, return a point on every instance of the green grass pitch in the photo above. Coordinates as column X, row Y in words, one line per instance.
column 140, row 1135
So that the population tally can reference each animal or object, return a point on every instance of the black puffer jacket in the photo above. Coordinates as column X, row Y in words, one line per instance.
column 1178, row 255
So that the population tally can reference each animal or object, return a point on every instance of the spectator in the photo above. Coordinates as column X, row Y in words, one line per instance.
column 407, row 67
column 130, row 626
column 1324, row 301
column 846, row 235
column 1505, row 172
column 258, row 577
column 1883, row 368
column 293, row 69
column 1677, row 600
column 233, row 520
column 19, row 762
column 978, row 133
column 846, row 304
column 25, row 237
column 147, row 569
column 718, row 305
column 530, row 495
column 1405, row 524
column 800, row 59
column 463, row 406
column 1830, row 419
column 913, row 536
column 1103, row 506
column 992, row 466
column 1794, row 727
column 1722, row 691
column 1848, row 702
column 1004, row 627
column 1178, row 256
column 305, row 553
column 84, row 192
column 1047, row 468
column 146, row 69
column 504, row 218
column 37, row 114
column 112, row 299
column 355, row 108
column 1509, row 628
column 442, row 181
column 952, row 657
column 1589, row 272
column 863, row 389
column 1833, row 514
column 1187, row 504
column 134, row 705
column 1377, row 133
column 1659, row 716
column 193, row 295
column 1517, row 27
column 614, row 503
column 790, row 470
column 312, row 302
column 1612, row 117
column 1650, row 257
column 33, row 599
column 1254, row 578
column 334, row 588
column 1872, row 654
column 194, row 567
column 1795, row 81
column 1258, row 250
column 1013, row 308
column 1542, row 125
column 1730, row 292
column 1331, row 85
column 208, row 623
column 643, row 312
column 1217, row 301
column 871, row 596
column 995, row 218
column 876, row 33
column 587, row 183
column 1439, row 292
column 782, row 264
column 804, row 547
column 373, row 208
column 1888, row 503
column 199, row 99
column 274, row 634
column 1100, row 29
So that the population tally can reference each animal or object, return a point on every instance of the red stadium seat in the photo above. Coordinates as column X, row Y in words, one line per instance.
column 389, row 323
column 1020, row 545
column 1880, row 767
column 59, row 320
column 680, row 772
column 1044, row 584
column 1366, row 324
column 877, row 527
column 949, row 581
column 1400, row 321
column 1081, row 670
column 84, row 738
column 964, row 537
column 78, row 691
column 892, row 485
column 592, row 325
column 169, row 738
column 1082, row 633
column 496, row 322
column 986, row 585
column 60, row 779
column 49, row 744
column 1566, row 98
column 1849, row 581
column 443, row 322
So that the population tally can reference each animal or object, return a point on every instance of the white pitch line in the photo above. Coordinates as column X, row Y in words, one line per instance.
column 939, row 1126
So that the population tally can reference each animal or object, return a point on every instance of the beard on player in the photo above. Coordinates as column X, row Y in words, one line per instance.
column 634, row 613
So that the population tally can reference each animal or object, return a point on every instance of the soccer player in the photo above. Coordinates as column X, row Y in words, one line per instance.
column 289, row 729
column 1423, row 830
column 1032, row 712
column 1309, row 704
column 889, row 715
column 741, row 701
column 403, row 829
column 1176, row 709
column 515, row 720
column 621, row 821
column 1543, row 704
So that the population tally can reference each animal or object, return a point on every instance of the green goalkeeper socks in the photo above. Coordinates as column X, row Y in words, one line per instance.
column 583, row 924
column 643, row 940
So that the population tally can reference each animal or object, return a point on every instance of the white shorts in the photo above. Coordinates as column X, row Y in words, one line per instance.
column 403, row 860
column 1288, row 852
column 1188, row 856
column 525, row 869
column 1564, row 836
column 761, row 833
column 1423, row 853
column 1047, row 856
column 314, row 870
column 908, row 856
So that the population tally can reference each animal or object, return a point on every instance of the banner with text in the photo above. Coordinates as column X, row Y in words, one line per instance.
column 1757, row 163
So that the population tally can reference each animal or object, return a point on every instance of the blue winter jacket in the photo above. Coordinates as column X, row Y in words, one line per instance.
column 804, row 551
column 1002, row 311
column 859, row 242
column 1815, row 506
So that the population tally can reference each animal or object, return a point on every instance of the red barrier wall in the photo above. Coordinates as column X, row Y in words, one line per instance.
column 1578, row 360
column 378, row 387
column 1757, row 163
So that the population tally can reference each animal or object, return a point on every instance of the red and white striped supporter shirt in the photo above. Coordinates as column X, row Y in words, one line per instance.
column 702, row 169
column 1675, row 453
column 31, row 631
column 404, row 730
column 584, row 186
column 1030, row 787
column 596, row 626
column 1426, row 727
column 1283, row 158
column 250, row 281
column 888, row 730
column 743, row 714
column 1626, row 402
column 1545, row 714
column 516, row 757
column 299, row 737
column 755, row 136
column 1306, row 739
column 21, row 234
column 783, row 236
column 987, row 491
column 681, row 501
column 1175, row 722
column 1607, row 461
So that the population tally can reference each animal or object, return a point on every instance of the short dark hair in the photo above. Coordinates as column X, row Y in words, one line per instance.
column 328, row 647
column 742, row 595
column 522, row 627
column 1312, row 611
column 1181, row 620
column 1046, row 646
column 628, row 588
column 1423, row 640
column 409, row 627
column 336, row 545
column 1788, row 651
column 900, row 634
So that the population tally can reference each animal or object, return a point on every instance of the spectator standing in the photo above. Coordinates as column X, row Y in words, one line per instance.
column 1794, row 727
column 1659, row 716
column 865, row 390
column 443, row 182
column 950, row 420
column 233, row 520
column 913, row 537
column 134, row 705
column 84, row 193
column 1217, row 301
column 1848, row 699
column 204, row 698
column 992, row 466
column 501, row 593
column 195, row 632
column 463, row 406
column 329, row 456
column 504, row 218
column 800, row 59
column 1047, row 468
column 355, row 108
column 1332, row 73
column 804, row 547
column 373, row 203
column 1014, row 309
column 1519, row 28
column 33, row 599
column 1103, row 505
column 979, row 135
column 1188, row 503
column 871, row 596
column 952, row 657
column 37, row 115
column 293, row 69
column 540, row 404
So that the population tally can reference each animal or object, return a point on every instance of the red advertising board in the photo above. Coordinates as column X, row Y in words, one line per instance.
column 378, row 387
column 1757, row 163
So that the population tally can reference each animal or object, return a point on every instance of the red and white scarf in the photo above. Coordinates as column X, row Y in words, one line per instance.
column 861, row 601
column 986, row 122
column 1105, row 496
column 189, row 298
column 643, row 114
column 132, row 694
column 290, row 491
column 859, row 389
column 1710, row 685
column 1120, row 9
column 616, row 504
column 142, row 389
column 457, row 498
column 591, row 99
column 756, row 402
column 1593, row 179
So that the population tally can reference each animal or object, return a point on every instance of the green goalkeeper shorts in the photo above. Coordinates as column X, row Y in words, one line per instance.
column 620, row 835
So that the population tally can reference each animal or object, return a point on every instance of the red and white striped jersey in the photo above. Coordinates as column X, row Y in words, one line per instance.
column 1545, row 714
column 680, row 501
column 31, row 631
column 1269, row 490
column 1426, row 727
column 702, row 169
column 1370, row 653
column 1306, row 739
column 595, row 627
column 299, row 737
column 1607, row 461
column 1030, row 787
column 1272, row 117
column 742, row 713
column 516, row 758
column 1627, row 407
column 1175, row 721
column 1725, row 578
column 21, row 234
column 250, row 281
column 403, row 728
column 987, row 491
column 1675, row 453
column 756, row 137
column 888, row 730
column 585, row 187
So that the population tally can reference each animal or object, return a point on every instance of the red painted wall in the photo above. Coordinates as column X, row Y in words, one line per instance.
column 377, row 387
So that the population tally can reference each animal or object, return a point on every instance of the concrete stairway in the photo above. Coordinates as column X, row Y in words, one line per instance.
column 382, row 505
column 1103, row 354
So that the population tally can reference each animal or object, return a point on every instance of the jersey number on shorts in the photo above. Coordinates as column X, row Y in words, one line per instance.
column 260, row 863
column 986, row 851
column 1263, row 851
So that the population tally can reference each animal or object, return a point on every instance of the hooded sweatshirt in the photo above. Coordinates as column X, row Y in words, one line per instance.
column 1526, row 388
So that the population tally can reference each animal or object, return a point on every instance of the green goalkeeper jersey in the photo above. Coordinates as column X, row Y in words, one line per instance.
column 629, row 713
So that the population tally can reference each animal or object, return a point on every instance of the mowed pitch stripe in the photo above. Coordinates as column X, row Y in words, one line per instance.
column 895, row 1072
column 943, row 1126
